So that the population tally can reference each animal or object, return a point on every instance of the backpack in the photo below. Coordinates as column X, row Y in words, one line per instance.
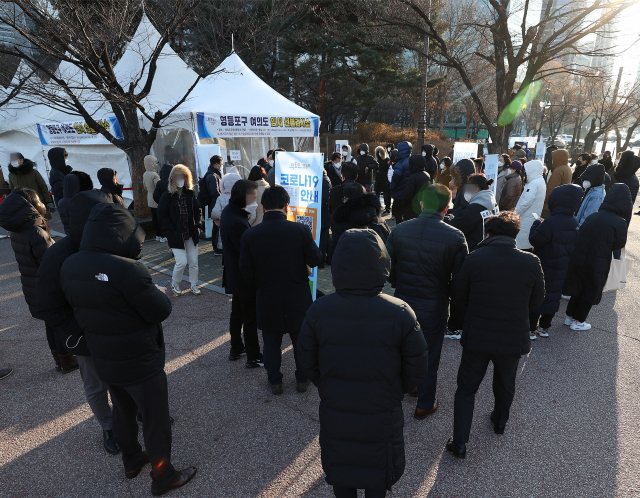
column 204, row 197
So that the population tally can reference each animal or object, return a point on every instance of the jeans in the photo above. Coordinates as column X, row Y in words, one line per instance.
column 353, row 492
column 272, row 342
column 473, row 367
column 545, row 321
column 578, row 308
column 151, row 397
column 95, row 391
column 55, row 343
column 188, row 255
column 243, row 312
column 433, row 331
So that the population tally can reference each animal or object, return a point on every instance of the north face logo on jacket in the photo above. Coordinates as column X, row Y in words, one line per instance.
column 102, row 277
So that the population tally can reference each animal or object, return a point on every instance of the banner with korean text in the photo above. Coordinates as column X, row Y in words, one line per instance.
column 464, row 150
column 300, row 173
column 227, row 126
column 78, row 132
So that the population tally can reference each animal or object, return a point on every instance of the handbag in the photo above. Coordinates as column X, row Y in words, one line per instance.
column 617, row 279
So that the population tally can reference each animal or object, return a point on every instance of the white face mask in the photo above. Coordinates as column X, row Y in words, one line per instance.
column 344, row 153
column 594, row 161
column 441, row 165
column 362, row 153
column 388, row 149
column 66, row 162
column 337, row 165
column 252, row 207
column 467, row 196
column 586, row 184
column 271, row 162
column 180, row 183
column 424, row 154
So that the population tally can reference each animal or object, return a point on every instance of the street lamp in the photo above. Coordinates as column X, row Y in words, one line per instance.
column 544, row 105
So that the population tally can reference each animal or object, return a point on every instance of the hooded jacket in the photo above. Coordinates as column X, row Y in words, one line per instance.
column 114, row 299
column 426, row 257
column 382, row 179
column 59, row 170
column 226, row 184
column 26, row 176
column 169, row 210
column 348, row 157
column 432, row 165
column 460, row 173
column 626, row 172
column 419, row 178
column 150, row 179
column 71, row 188
column 531, row 201
column 233, row 223
column 361, row 212
column 499, row 284
column 601, row 234
column 363, row 350
column 511, row 192
column 163, row 184
column 468, row 219
column 553, row 241
column 29, row 241
column 365, row 162
column 444, row 176
column 401, row 170
column 109, row 187
column 561, row 173
column 595, row 193
column 55, row 309
column 335, row 176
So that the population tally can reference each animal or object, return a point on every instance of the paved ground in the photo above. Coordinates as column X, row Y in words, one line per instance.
column 574, row 431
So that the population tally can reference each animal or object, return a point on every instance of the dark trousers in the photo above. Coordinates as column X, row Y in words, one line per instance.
column 457, row 313
column 215, row 232
column 151, row 397
column 578, row 308
column 353, row 492
column 55, row 343
column 243, row 312
column 433, row 331
column 545, row 321
column 473, row 367
column 154, row 219
column 325, row 243
column 396, row 210
column 273, row 356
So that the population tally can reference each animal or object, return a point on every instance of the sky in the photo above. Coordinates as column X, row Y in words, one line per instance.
column 628, row 45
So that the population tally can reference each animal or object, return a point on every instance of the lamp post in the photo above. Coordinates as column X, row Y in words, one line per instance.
column 544, row 105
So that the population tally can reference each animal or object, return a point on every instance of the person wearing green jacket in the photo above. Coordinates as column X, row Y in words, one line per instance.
column 22, row 174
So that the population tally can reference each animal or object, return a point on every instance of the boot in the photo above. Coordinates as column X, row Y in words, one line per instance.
column 110, row 444
column 56, row 358
column 68, row 363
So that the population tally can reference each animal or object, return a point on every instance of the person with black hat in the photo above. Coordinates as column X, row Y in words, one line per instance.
column 419, row 178
column 366, row 166
column 593, row 185
column 431, row 166
column 108, row 178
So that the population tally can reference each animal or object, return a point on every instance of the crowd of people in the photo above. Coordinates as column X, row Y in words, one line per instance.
column 468, row 259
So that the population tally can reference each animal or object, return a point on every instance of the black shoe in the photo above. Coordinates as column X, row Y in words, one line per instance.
column 276, row 389
column 498, row 429
column 139, row 418
column 110, row 444
column 458, row 450
column 302, row 387
column 144, row 460
column 5, row 372
column 182, row 478
column 257, row 363
column 233, row 356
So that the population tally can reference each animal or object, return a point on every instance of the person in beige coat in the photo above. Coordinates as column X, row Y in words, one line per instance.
column 150, row 178
column 258, row 175
column 561, row 175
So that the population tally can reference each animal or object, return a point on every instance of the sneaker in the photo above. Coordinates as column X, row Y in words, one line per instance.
column 565, row 297
column 453, row 334
column 576, row 325
column 158, row 239
column 252, row 364
column 543, row 332
column 217, row 252
column 175, row 287
column 302, row 387
column 532, row 335
column 568, row 321
column 233, row 356
column 195, row 290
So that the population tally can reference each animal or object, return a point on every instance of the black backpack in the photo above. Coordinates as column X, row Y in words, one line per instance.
column 204, row 197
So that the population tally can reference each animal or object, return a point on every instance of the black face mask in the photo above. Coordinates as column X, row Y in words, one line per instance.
column 117, row 188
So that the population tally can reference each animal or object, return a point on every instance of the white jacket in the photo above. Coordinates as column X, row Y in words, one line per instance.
column 531, row 201
column 226, row 184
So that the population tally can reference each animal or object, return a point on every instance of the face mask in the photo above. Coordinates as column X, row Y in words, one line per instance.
column 500, row 163
column 180, row 183
column 388, row 149
column 586, row 184
column 595, row 161
column 441, row 165
column 252, row 207
column 344, row 153
column 467, row 196
column 66, row 162
column 362, row 153
column 271, row 162
column 424, row 154
column 337, row 166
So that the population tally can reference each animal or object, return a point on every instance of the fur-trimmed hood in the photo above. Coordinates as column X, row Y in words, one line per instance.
column 25, row 168
column 180, row 169
column 362, row 210
column 381, row 152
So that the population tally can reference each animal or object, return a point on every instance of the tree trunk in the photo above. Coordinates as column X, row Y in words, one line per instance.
column 499, row 138
column 591, row 136
column 138, row 148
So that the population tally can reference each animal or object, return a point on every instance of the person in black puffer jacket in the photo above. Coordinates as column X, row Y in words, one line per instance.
column 418, row 179
column 553, row 241
column 108, row 178
column 363, row 350
column 496, row 327
column 602, row 233
column 59, row 169
column 426, row 257
column 121, row 312
column 59, row 313
column 361, row 210
column 399, row 178
column 626, row 172
column 163, row 184
column 366, row 166
column 432, row 165
column 75, row 182
column 334, row 169
column 382, row 180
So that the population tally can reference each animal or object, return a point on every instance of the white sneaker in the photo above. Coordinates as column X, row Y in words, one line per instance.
column 580, row 325
column 453, row 334
column 164, row 240
column 195, row 290
column 568, row 321
column 175, row 287
column 532, row 336
column 543, row 332
column 565, row 297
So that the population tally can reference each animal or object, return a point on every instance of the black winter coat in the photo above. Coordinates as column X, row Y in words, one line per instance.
column 461, row 171
column 431, row 166
column 361, row 212
column 234, row 221
column 325, row 218
column 336, row 196
column 213, row 178
column 554, row 240
column 169, row 218
column 29, row 241
column 56, row 310
column 469, row 221
column 426, row 258
column 401, row 170
column 601, row 233
column 114, row 299
column 163, row 184
column 626, row 172
column 363, row 350
column 334, row 177
column 71, row 188
column 273, row 260
column 363, row 162
column 59, row 170
column 499, row 284
column 418, row 179
column 382, row 182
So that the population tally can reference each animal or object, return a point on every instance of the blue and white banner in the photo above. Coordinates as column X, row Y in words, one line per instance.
column 300, row 173
column 491, row 170
column 78, row 132
column 464, row 150
column 541, row 150
column 233, row 126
